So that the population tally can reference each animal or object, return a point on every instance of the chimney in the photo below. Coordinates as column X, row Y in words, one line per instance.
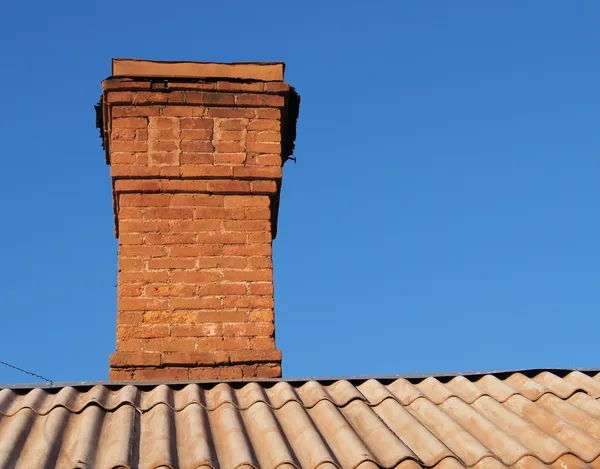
column 195, row 153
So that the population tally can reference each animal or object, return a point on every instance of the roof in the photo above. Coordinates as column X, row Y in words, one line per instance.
column 525, row 420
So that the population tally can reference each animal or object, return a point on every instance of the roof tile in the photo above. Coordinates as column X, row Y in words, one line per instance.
column 523, row 421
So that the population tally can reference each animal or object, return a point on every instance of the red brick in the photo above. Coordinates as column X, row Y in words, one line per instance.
column 170, row 291
column 229, row 158
column 225, row 238
column 234, row 113
column 195, row 226
column 168, row 213
column 142, row 304
column 260, row 147
column 129, row 317
column 264, row 187
column 196, row 123
column 134, row 111
column 130, row 213
column 235, row 86
column 196, row 134
column 257, row 213
column 229, row 147
column 198, row 250
column 259, row 100
column 205, row 373
column 264, row 137
column 179, row 263
column 197, row 158
column 268, row 371
column 229, row 187
column 221, row 316
column 178, row 111
column 195, row 277
column 121, row 374
column 169, row 134
column 146, row 200
column 197, row 330
column 195, row 358
column 277, row 87
column 268, row 113
column 143, row 277
column 230, row 372
column 196, row 146
column 123, row 134
column 133, row 345
column 264, row 124
column 130, row 264
column 125, row 97
column 226, row 213
column 246, row 225
column 129, row 123
column 233, row 344
column 125, row 157
column 197, row 200
column 247, row 301
column 128, row 146
column 125, row 332
column 163, row 158
column 232, row 124
column 163, row 146
column 162, row 374
column 163, row 123
column 195, row 303
column 215, row 99
column 246, row 201
column 247, row 250
column 141, row 135
column 255, row 356
column 260, row 289
column 260, row 262
column 143, row 226
column 179, row 344
column 142, row 251
column 170, row 238
column 259, row 343
column 130, row 239
column 206, row 171
column 259, row 237
column 209, row 289
column 248, row 276
column 261, row 315
column 215, row 262
column 230, row 135
column 169, row 317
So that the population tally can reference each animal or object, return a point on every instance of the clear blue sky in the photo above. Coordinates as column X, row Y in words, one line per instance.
column 442, row 216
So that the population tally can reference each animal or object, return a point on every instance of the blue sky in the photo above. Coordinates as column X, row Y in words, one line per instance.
column 442, row 216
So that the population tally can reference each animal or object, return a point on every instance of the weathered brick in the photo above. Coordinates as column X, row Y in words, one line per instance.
column 229, row 147
column 259, row 100
column 162, row 374
column 196, row 123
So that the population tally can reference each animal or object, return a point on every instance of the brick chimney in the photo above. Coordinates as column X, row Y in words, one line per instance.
column 195, row 153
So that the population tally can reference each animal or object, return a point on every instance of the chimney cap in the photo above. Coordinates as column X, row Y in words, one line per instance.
column 254, row 71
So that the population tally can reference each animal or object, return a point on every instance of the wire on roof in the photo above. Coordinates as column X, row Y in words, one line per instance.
column 27, row 372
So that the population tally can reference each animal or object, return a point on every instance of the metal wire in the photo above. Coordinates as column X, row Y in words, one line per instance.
column 27, row 372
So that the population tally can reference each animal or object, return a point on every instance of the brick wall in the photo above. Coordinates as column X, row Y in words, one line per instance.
column 196, row 171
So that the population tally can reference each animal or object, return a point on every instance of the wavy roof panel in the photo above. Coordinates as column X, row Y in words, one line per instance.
column 520, row 420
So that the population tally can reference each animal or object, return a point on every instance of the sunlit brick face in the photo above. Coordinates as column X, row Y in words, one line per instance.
column 196, row 174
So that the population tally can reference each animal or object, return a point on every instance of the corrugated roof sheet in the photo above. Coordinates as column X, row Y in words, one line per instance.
column 520, row 421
